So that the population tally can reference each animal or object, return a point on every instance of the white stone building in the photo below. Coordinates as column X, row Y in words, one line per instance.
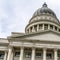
column 41, row 40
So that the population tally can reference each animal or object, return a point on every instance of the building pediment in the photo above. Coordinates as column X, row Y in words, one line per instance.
column 45, row 36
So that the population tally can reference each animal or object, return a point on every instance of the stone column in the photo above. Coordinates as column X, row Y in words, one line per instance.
column 48, row 26
column 43, row 27
column 21, row 53
column 5, row 56
column 33, row 54
column 12, row 56
column 55, row 54
column 9, row 53
column 29, row 30
column 57, row 29
column 53, row 27
column 38, row 27
column 33, row 30
column 44, row 54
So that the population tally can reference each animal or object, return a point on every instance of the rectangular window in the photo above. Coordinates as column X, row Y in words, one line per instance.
column 59, row 55
column 38, row 55
column 17, row 54
column 51, row 27
column 27, row 30
column 40, row 26
column 55, row 28
column 45, row 26
column 1, row 56
column 27, row 54
column 59, row 30
column 35, row 27
column 30, row 29
column 49, row 55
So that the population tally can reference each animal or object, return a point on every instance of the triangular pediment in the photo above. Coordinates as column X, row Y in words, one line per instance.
column 47, row 36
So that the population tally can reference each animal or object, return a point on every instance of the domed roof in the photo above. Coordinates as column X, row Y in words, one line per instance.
column 42, row 18
column 43, row 9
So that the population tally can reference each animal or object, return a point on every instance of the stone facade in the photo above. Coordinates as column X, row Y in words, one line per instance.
column 41, row 40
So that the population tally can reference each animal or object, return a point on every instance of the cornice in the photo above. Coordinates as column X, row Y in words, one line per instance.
column 33, row 41
column 35, row 33
column 23, row 40
column 40, row 21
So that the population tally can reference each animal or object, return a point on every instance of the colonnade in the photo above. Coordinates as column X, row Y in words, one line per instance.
column 42, row 27
column 32, row 56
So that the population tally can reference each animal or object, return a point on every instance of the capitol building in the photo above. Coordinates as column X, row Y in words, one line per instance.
column 41, row 40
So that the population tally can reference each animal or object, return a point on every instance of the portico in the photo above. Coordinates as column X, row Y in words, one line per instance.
column 33, row 54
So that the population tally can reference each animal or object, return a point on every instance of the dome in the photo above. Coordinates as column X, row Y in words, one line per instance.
column 43, row 9
column 42, row 20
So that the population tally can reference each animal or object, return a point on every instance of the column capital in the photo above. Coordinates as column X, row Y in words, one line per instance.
column 5, row 50
column 21, row 47
column 10, row 47
column 33, row 48
column 44, row 48
column 55, row 49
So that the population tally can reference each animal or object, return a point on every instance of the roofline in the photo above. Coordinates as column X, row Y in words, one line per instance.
column 35, row 33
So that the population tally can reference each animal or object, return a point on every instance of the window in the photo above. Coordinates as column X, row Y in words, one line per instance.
column 27, row 54
column 28, row 30
column 59, row 30
column 38, row 55
column 51, row 27
column 55, row 28
column 40, row 26
column 45, row 26
column 1, row 56
column 59, row 55
column 31, row 29
column 49, row 55
column 17, row 54
column 35, row 27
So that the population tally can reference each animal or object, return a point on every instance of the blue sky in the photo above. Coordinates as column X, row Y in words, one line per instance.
column 15, row 14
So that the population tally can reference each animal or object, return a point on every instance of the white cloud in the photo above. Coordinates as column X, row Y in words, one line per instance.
column 15, row 14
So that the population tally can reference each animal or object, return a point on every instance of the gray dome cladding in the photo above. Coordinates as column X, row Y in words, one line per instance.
column 44, row 9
